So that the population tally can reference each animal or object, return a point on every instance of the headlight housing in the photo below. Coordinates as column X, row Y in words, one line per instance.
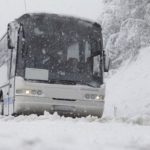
column 93, row 97
column 29, row 92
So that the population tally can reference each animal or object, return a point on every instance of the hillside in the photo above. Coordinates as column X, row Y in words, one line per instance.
column 126, row 28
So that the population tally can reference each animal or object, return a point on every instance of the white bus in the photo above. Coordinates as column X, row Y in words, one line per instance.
column 52, row 63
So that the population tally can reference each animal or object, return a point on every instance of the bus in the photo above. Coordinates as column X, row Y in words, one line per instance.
column 53, row 63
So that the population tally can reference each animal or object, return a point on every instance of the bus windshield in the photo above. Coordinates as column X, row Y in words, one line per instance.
column 65, row 48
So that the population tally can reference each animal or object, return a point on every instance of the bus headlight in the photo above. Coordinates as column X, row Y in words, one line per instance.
column 29, row 92
column 99, row 97
column 94, row 97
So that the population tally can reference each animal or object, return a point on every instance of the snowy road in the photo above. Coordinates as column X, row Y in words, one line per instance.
column 50, row 132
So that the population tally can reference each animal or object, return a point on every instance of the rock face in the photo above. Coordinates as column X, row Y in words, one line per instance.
column 126, row 28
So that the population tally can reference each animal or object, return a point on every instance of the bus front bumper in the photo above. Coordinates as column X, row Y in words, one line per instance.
column 37, row 105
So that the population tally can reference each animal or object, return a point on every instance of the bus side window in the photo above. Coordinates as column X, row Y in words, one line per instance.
column 3, row 74
column 4, row 60
column 13, row 63
column 19, row 55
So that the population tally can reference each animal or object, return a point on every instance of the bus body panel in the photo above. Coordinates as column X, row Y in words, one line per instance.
column 38, row 105
column 7, row 72
column 56, row 97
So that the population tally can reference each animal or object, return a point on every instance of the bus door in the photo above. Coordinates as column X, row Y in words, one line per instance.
column 11, row 93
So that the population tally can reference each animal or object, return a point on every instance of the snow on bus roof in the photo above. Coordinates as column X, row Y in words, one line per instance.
column 83, row 21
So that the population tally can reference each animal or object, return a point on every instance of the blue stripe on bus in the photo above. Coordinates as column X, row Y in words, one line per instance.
column 8, row 101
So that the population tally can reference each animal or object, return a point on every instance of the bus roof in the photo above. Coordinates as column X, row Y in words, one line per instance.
column 61, row 18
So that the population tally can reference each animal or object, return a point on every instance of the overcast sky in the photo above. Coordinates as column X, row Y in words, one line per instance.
column 11, row 9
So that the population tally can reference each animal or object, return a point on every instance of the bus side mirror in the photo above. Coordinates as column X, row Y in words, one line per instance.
column 106, row 62
column 9, row 38
column 12, row 35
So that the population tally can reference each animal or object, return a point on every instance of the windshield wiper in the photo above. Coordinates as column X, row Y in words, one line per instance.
column 69, row 82
column 85, row 83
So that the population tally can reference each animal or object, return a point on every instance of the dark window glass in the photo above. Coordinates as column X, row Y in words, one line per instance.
column 62, row 45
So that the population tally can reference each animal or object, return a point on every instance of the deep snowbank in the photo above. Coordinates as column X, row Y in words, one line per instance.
column 51, row 132
column 128, row 90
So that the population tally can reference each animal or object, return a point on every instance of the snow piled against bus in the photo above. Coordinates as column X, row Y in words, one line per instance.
column 128, row 90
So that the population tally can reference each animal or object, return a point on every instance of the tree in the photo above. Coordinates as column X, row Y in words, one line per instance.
column 126, row 28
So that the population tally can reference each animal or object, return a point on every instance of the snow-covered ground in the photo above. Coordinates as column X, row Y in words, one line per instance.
column 54, row 133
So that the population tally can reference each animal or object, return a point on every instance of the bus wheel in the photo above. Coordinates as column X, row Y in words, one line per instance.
column 1, row 103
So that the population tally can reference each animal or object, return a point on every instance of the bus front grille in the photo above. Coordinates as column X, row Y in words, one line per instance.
column 63, row 99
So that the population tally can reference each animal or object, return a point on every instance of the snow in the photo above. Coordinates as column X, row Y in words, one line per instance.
column 126, row 121
column 59, row 133
column 126, row 29
column 128, row 89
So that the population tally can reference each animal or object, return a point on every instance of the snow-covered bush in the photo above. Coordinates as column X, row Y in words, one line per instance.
column 147, row 14
column 126, row 28
column 133, row 34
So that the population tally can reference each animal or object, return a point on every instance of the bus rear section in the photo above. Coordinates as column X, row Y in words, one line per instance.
column 58, row 64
